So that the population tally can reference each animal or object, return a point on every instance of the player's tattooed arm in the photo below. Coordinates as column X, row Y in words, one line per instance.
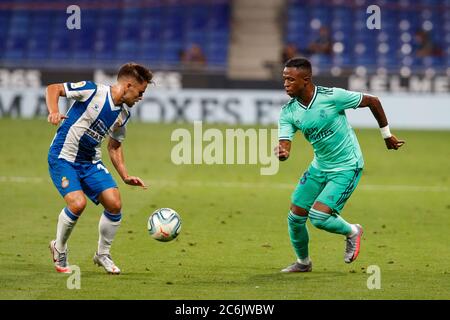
column 53, row 92
column 283, row 149
column 116, row 154
column 374, row 104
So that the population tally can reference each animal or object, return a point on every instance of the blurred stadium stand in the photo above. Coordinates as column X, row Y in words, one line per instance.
column 241, row 38
column 393, row 47
column 34, row 33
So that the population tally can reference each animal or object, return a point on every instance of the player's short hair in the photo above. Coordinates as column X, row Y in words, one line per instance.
column 300, row 63
column 137, row 71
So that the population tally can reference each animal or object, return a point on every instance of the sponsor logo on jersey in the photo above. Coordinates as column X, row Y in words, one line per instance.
column 314, row 134
column 97, row 131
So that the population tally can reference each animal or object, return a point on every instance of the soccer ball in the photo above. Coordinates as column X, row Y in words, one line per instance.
column 164, row 224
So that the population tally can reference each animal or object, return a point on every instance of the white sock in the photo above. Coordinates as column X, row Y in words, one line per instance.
column 354, row 230
column 107, row 228
column 304, row 261
column 66, row 222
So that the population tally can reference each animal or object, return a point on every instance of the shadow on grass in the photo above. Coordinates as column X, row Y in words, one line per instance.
column 297, row 276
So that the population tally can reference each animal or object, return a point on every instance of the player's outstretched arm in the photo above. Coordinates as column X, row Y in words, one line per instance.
column 377, row 110
column 283, row 149
column 53, row 92
column 116, row 154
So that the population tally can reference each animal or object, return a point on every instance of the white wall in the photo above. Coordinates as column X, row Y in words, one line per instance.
column 409, row 111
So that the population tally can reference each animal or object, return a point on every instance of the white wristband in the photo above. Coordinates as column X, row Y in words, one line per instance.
column 385, row 132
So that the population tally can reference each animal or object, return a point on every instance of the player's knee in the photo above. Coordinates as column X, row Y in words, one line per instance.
column 318, row 223
column 76, row 205
column 298, row 210
column 319, row 219
column 319, row 215
column 114, row 206
column 322, row 207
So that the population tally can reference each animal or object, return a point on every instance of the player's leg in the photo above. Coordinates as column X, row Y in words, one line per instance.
column 310, row 185
column 100, row 187
column 68, row 217
column 323, row 217
column 107, row 228
column 298, row 234
column 65, row 179
column 324, row 213
column 110, row 219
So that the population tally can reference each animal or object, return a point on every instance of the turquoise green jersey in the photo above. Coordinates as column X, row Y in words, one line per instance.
column 325, row 126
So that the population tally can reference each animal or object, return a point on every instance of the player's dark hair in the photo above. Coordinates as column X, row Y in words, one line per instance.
column 300, row 63
column 137, row 71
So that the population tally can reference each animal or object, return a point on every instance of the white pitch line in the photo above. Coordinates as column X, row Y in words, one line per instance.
column 23, row 179
column 245, row 185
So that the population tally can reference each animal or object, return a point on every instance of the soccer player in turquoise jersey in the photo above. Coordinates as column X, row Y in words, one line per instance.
column 319, row 113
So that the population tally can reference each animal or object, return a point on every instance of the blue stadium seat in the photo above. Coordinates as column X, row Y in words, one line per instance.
column 4, row 25
column 38, row 48
column 432, row 61
column 321, row 13
column 153, row 30
column 381, row 47
column 217, row 53
column 367, row 61
column 389, row 61
column 104, row 50
column 430, row 2
column 15, row 47
column 3, row 38
column 220, row 38
column 127, row 49
column 150, row 51
column 150, row 36
column 322, row 60
column 199, row 38
column 197, row 17
column 342, row 60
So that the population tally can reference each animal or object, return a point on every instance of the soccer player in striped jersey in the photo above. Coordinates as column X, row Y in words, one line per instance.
column 319, row 113
column 74, row 158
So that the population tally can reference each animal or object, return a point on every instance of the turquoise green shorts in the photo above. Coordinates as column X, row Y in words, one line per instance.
column 331, row 188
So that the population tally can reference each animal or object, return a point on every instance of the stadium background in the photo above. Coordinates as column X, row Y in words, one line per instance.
column 238, row 85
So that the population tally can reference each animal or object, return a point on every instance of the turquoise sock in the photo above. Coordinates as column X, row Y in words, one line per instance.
column 329, row 222
column 298, row 233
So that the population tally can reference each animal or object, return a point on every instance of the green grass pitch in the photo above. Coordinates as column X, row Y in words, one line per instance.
column 234, row 238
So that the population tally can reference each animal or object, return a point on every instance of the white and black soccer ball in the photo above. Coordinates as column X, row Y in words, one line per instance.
column 164, row 224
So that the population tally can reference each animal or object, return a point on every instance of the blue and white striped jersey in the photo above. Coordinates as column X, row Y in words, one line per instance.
column 91, row 118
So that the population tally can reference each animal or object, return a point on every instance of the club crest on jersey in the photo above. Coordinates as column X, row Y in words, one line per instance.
column 64, row 182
